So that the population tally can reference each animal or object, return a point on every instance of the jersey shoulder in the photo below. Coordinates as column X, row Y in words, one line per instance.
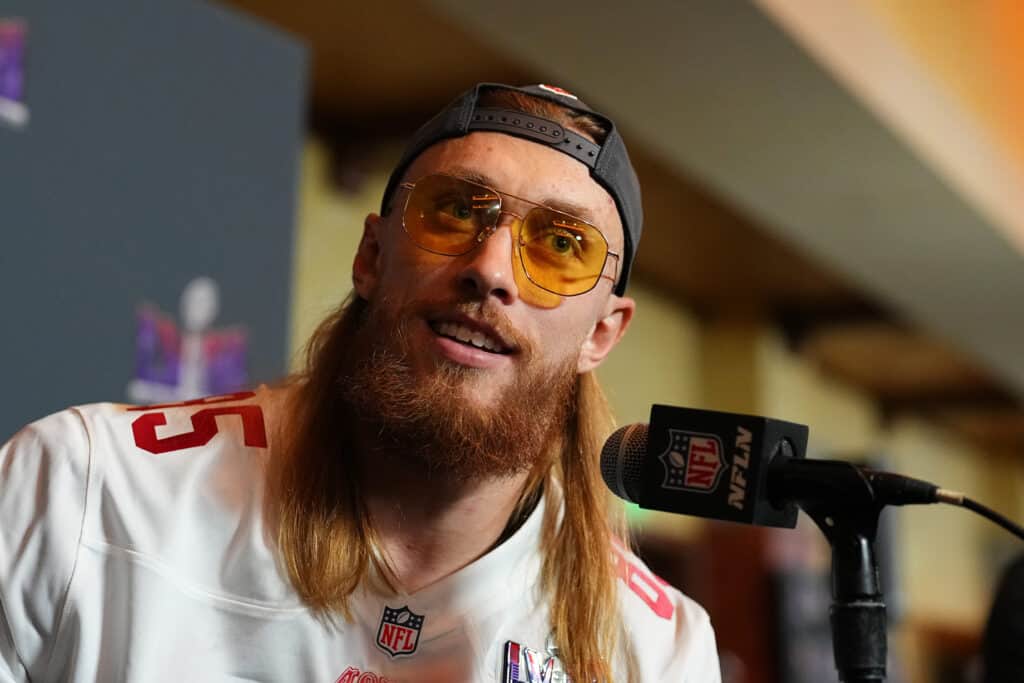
column 165, row 469
column 45, row 470
column 178, row 492
column 669, row 632
column 225, row 422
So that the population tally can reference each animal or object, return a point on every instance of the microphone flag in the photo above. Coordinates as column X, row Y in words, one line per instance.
column 713, row 464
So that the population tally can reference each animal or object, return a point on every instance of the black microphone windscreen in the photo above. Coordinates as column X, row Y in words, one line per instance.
column 622, row 461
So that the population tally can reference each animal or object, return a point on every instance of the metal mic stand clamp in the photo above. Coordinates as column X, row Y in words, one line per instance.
column 846, row 510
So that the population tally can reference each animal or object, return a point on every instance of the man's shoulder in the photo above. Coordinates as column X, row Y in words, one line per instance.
column 75, row 435
column 62, row 427
column 237, row 419
column 181, row 454
column 670, row 632
column 176, row 489
column 50, row 456
column 647, row 598
column 121, row 452
column 44, row 476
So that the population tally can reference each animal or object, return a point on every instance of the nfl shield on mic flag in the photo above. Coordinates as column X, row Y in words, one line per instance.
column 713, row 464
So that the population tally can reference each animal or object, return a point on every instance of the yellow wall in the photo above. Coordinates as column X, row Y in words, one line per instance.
column 329, row 227
column 943, row 546
column 658, row 361
column 842, row 419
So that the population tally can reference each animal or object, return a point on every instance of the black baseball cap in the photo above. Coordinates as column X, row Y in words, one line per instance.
column 608, row 162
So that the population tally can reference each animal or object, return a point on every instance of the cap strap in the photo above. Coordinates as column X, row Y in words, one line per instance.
column 538, row 129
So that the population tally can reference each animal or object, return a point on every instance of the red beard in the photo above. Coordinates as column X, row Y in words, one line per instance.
column 419, row 416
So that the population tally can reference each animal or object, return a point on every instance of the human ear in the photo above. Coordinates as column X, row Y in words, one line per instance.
column 366, row 265
column 606, row 332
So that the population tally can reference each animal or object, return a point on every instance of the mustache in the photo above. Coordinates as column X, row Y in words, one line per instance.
column 484, row 311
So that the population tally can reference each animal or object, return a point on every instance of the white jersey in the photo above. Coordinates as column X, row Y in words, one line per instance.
column 133, row 548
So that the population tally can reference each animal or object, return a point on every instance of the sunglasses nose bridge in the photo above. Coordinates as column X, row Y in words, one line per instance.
column 485, row 232
column 488, row 230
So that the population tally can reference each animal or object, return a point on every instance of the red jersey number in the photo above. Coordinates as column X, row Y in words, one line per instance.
column 204, row 425
column 645, row 585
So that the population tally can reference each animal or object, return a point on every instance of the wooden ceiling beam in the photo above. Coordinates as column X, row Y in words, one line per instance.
column 801, row 324
column 992, row 399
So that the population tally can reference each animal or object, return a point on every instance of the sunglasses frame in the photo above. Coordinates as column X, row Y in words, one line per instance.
column 489, row 230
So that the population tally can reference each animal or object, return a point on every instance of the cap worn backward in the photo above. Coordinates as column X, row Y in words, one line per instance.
column 608, row 162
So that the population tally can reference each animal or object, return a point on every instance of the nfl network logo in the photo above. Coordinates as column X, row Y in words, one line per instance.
column 399, row 631
column 692, row 461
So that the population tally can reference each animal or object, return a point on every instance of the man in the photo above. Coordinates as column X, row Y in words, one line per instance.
column 423, row 503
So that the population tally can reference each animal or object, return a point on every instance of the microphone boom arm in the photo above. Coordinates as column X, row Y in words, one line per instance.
column 845, row 505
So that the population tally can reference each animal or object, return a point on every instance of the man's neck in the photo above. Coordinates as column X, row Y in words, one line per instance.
column 429, row 526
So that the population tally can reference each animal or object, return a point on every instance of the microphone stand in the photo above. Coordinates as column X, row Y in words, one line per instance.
column 848, row 516
column 858, row 606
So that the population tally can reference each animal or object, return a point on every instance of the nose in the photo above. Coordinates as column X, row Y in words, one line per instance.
column 487, row 270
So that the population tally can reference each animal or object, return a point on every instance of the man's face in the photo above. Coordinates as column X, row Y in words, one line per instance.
column 438, row 299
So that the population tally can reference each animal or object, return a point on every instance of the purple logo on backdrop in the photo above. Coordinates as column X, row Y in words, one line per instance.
column 175, row 363
column 12, row 72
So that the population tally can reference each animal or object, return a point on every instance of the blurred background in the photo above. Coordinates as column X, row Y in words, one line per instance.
column 834, row 236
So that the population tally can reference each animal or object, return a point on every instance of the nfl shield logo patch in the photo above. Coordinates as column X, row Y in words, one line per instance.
column 399, row 631
column 693, row 462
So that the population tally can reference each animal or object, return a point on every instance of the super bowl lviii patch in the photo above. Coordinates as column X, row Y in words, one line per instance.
column 523, row 665
column 399, row 631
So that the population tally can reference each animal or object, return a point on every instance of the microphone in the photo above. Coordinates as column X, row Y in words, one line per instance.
column 740, row 468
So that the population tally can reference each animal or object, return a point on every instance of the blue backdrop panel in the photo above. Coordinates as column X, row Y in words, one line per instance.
column 162, row 145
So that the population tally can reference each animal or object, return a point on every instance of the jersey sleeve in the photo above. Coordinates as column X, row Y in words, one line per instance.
column 696, row 659
column 680, row 649
column 43, row 482
column 670, row 635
